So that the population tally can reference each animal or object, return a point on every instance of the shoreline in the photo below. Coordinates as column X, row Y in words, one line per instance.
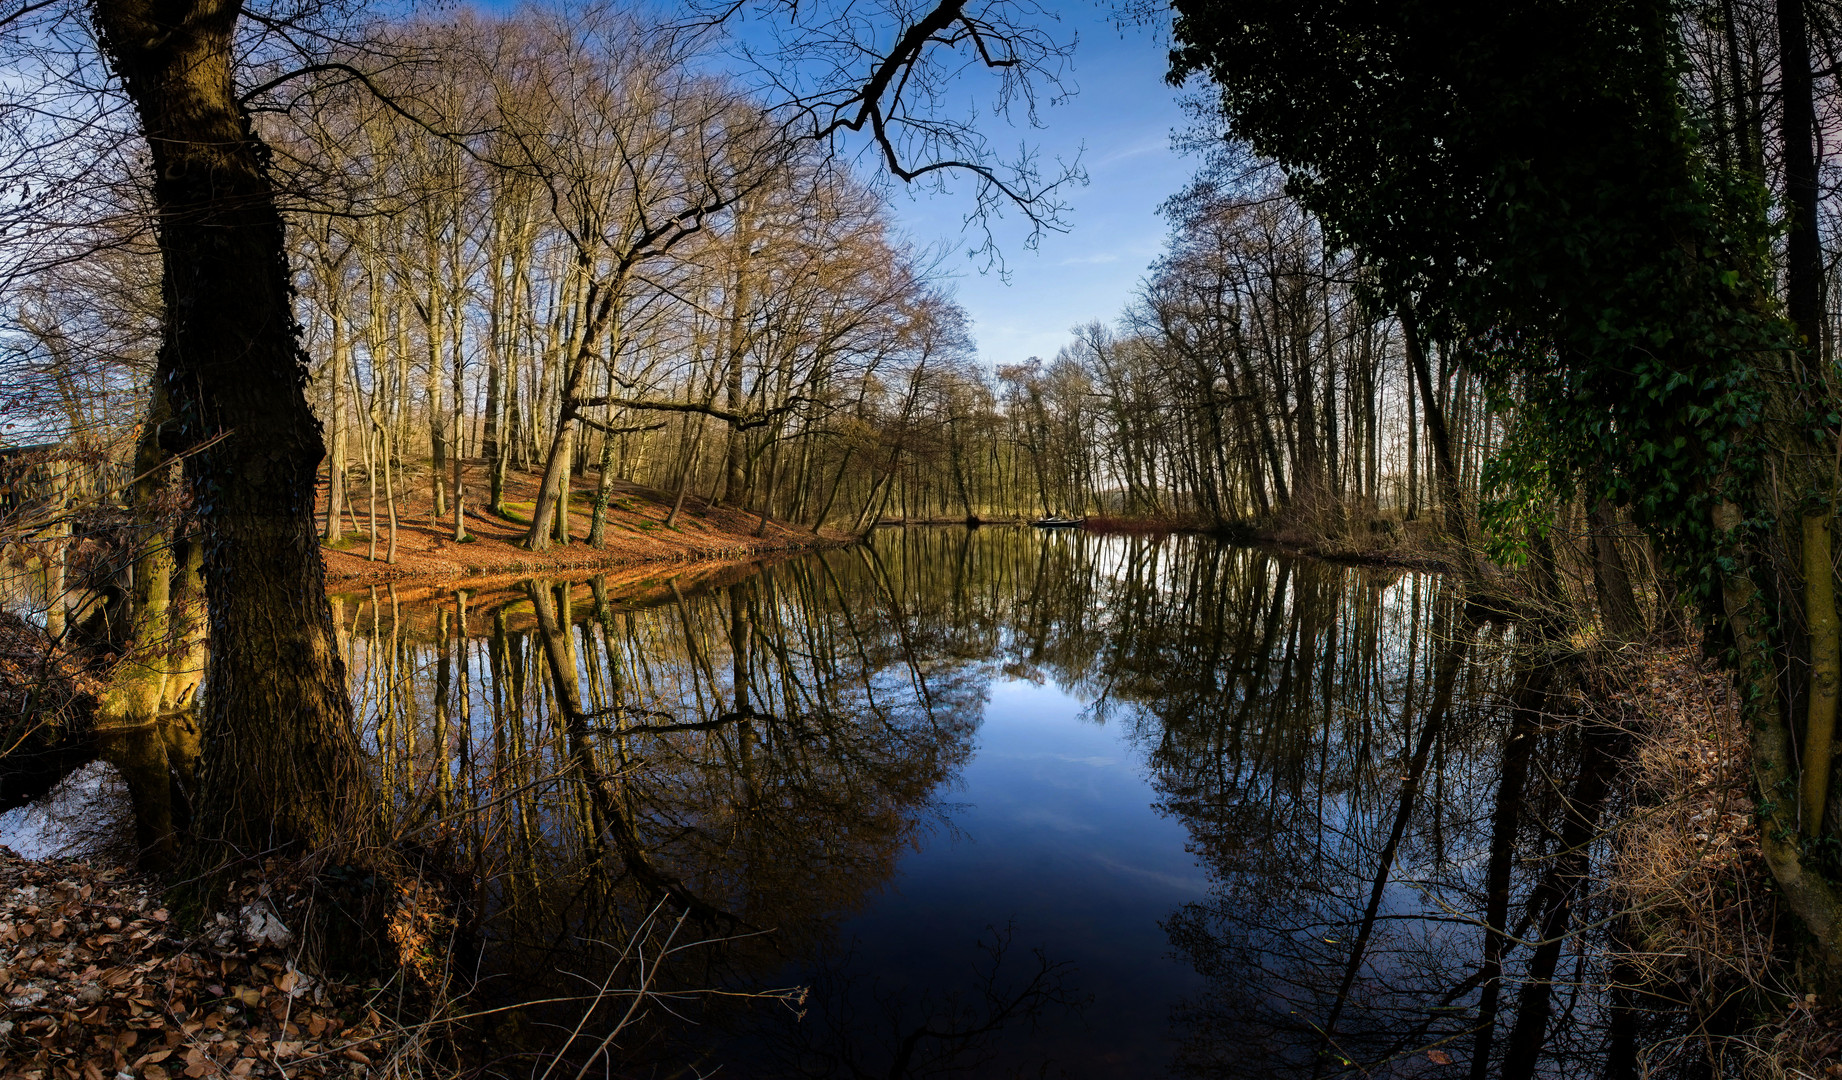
column 1405, row 546
column 1413, row 547
column 1685, row 855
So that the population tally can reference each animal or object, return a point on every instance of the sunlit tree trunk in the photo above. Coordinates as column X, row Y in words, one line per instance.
column 335, row 470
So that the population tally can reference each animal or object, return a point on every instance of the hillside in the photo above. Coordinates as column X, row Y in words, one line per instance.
column 636, row 533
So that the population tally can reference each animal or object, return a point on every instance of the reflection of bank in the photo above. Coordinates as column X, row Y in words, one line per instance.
column 1357, row 770
column 1399, row 810
column 740, row 752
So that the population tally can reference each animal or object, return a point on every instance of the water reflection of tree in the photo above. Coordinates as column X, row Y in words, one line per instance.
column 1371, row 781
column 1395, row 805
column 757, row 754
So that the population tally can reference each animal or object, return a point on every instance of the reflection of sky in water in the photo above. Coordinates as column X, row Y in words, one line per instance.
column 929, row 766
column 1247, row 784
column 1053, row 829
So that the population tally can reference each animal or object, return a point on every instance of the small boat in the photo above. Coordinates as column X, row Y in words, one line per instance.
column 1053, row 522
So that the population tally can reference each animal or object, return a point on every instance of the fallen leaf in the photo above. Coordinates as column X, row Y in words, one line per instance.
column 1439, row 1057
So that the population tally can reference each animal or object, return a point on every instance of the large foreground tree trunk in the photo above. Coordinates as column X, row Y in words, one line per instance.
column 281, row 762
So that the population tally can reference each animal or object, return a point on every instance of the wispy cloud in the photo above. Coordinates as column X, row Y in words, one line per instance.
column 1159, row 145
column 1090, row 260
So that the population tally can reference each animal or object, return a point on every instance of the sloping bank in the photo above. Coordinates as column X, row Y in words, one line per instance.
column 634, row 533
column 97, row 979
column 1699, row 922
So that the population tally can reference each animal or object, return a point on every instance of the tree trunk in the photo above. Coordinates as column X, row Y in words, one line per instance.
column 1413, row 448
column 335, row 469
column 1803, row 279
column 1745, row 115
column 767, row 497
column 57, row 560
column 831, row 496
column 604, row 489
column 684, row 476
column 1804, row 889
column 438, row 413
column 741, row 300
column 1825, row 669
column 458, row 430
column 127, row 727
column 491, row 448
column 1611, row 581
column 390, row 497
column 1452, row 505
column 550, row 515
column 371, row 485
column 281, row 763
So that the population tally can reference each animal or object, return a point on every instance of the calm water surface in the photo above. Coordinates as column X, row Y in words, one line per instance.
column 1001, row 802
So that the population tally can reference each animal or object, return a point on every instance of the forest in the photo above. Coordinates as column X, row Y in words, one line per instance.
column 1536, row 299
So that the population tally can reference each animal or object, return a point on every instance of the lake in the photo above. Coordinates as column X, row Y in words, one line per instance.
column 1003, row 802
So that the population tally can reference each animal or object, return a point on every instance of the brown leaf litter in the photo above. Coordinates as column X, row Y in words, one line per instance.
column 96, row 983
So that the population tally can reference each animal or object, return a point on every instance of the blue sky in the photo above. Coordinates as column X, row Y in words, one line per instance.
column 1120, row 122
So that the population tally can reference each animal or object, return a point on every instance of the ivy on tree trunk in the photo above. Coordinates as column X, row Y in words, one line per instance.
column 281, row 763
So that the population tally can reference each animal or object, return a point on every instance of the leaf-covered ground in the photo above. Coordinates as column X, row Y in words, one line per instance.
column 1701, row 915
column 95, row 983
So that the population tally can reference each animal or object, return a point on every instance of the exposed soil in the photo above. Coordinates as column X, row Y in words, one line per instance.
column 636, row 533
